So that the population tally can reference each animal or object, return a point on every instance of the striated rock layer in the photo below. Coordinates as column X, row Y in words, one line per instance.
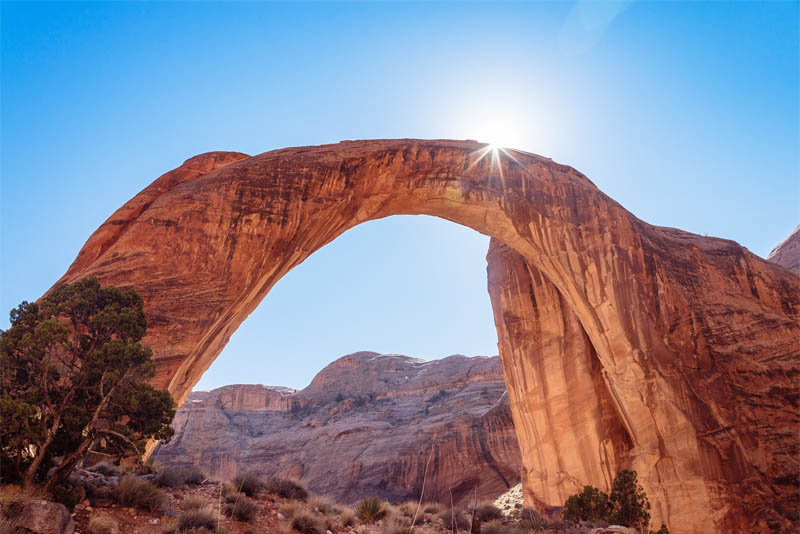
column 368, row 424
column 661, row 350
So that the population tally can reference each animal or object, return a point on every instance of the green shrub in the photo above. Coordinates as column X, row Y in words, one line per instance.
column 488, row 512
column 662, row 530
column 242, row 509
column 248, row 483
column 370, row 509
column 306, row 523
column 288, row 489
column 174, row 476
column 138, row 493
column 591, row 504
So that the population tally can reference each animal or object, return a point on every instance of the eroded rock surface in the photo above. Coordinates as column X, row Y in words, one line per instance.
column 787, row 253
column 368, row 424
column 685, row 348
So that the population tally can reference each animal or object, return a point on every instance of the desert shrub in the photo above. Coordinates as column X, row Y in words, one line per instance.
column 248, row 483
column 203, row 518
column 67, row 496
column 291, row 509
column 487, row 512
column 396, row 528
column 530, row 519
column 229, row 492
column 307, row 523
column 132, row 491
column 8, row 526
column 174, row 476
column 494, row 526
column 286, row 488
column 628, row 505
column 455, row 519
column 193, row 502
column 662, row 530
column 323, row 505
column 148, row 467
column 169, row 524
column 370, row 509
column 102, row 524
column 431, row 507
column 347, row 517
column 106, row 468
column 407, row 508
column 242, row 509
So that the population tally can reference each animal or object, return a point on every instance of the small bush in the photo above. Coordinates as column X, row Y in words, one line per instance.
column 487, row 512
column 132, row 491
column 242, row 510
column 174, row 476
column 530, row 519
column 197, row 519
column 408, row 508
column 306, row 523
column 106, row 468
column 370, row 509
column 432, row 507
column 193, row 502
column 288, row 489
column 229, row 493
column 147, row 468
column 323, row 505
column 248, row 483
column 449, row 516
column 348, row 518
column 494, row 527
column 291, row 509
column 662, row 530
column 102, row 524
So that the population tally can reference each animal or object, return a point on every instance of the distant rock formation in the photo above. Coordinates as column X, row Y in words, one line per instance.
column 787, row 254
column 368, row 424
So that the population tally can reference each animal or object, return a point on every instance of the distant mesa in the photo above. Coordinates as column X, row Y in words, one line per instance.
column 368, row 424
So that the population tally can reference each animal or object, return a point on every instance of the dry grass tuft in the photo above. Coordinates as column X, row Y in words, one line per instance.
column 138, row 493
column 286, row 488
column 248, row 483
column 174, row 476
column 323, row 505
column 203, row 518
column 194, row 502
column 432, row 507
column 103, row 524
column 291, row 509
column 307, row 523
column 242, row 509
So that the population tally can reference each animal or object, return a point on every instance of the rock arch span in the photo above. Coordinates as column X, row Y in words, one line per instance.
column 623, row 344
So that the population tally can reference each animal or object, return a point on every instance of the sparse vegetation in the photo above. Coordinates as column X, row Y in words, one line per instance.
column 370, row 509
column 106, row 468
column 487, row 512
column 102, row 524
column 531, row 520
column 203, row 518
column 307, row 523
column 174, row 476
column 286, row 488
column 454, row 518
column 193, row 502
column 229, row 492
column 241, row 509
column 494, row 527
column 132, row 491
column 347, row 517
column 323, row 505
column 432, row 507
column 248, row 483
column 291, row 509
column 626, row 505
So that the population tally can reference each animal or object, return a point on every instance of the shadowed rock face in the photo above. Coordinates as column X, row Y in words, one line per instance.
column 646, row 347
column 787, row 253
column 367, row 425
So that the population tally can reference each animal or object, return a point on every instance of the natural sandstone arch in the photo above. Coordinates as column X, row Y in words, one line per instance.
column 623, row 344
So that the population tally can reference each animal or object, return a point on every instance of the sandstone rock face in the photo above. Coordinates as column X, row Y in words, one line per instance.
column 684, row 348
column 368, row 424
column 33, row 516
column 787, row 253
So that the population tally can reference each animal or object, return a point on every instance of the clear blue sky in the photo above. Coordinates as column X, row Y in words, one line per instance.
column 687, row 114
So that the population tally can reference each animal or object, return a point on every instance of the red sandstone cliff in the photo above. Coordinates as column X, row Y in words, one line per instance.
column 366, row 425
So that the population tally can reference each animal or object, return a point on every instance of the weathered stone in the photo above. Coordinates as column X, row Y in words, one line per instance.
column 684, row 347
column 787, row 253
column 368, row 424
column 32, row 516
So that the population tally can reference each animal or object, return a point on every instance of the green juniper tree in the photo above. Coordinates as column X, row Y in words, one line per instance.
column 73, row 378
